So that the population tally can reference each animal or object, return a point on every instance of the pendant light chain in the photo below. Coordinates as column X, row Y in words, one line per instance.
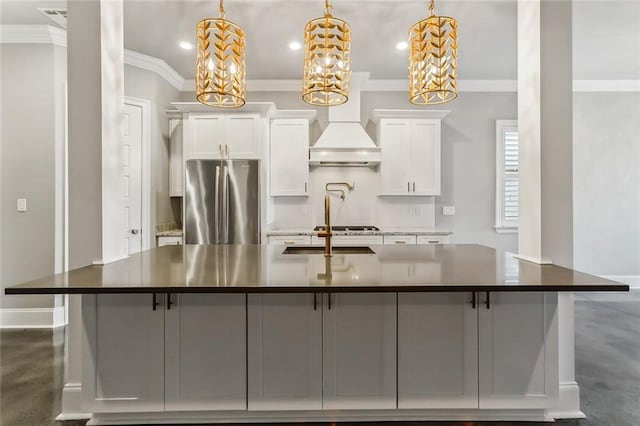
column 221, row 13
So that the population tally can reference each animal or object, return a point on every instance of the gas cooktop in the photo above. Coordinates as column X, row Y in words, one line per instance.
column 349, row 228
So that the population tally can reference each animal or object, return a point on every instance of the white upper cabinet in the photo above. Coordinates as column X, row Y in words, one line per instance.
column 222, row 136
column 289, row 166
column 425, row 157
column 410, row 142
column 395, row 140
column 518, row 350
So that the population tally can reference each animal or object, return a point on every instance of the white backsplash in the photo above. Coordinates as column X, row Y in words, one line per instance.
column 362, row 206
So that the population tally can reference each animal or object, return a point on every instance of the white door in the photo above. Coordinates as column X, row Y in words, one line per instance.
column 395, row 141
column 205, row 352
column 437, row 351
column 132, row 177
column 284, row 352
column 123, row 360
column 359, row 348
column 425, row 157
column 518, row 350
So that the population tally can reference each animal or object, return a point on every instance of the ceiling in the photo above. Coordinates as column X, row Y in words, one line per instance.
column 606, row 34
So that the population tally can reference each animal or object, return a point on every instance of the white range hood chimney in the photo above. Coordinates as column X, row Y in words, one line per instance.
column 344, row 142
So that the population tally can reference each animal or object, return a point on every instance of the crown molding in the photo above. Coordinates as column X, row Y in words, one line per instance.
column 606, row 85
column 33, row 34
column 156, row 65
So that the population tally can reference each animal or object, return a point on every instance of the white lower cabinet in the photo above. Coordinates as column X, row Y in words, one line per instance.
column 500, row 355
column 437, row 351
column 306, row 355
column 187, row 356
column 123, row 360
column 285, row 352
column 518, row 350
column 205, row 352
column 359, row 351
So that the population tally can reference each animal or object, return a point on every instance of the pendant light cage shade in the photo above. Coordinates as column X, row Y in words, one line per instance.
column 433, row 60
column 327, row 61
column 220, row 63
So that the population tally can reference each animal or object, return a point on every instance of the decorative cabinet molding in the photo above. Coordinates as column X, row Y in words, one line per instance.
column 496, row 351
column 410, row 157
column 142, row 356
column 211, row 136
column 289, row 165
column 411, row 151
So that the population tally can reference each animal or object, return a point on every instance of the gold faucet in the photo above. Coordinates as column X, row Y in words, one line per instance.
column 327, row 233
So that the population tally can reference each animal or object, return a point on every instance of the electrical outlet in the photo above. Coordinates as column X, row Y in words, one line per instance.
column 448, row 210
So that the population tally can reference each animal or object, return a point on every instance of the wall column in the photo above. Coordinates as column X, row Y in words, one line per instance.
column 95, row 60
column 545, row 122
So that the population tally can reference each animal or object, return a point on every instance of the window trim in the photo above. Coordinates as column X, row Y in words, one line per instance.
column 502, row 226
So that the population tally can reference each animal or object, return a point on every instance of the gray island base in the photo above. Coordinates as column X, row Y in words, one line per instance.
column 234, row 334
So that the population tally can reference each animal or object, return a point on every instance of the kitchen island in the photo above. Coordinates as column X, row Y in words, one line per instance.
column 247, row 334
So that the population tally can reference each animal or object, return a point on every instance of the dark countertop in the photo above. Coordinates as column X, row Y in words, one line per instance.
column 264, row 269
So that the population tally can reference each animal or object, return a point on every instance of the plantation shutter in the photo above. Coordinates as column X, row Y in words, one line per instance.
column 510, row 173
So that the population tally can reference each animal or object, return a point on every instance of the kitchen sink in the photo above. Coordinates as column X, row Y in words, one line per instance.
column 320, row 250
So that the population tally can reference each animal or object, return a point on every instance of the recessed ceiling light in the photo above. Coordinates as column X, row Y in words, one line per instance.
column 186, row 45
column 402, row 45
column 295, row 45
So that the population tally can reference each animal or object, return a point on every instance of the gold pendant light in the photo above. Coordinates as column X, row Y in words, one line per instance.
column 220, row 67
column 327, row 50
column 433, row 59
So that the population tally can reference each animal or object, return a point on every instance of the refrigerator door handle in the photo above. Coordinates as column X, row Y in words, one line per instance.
column 216, row 212
column 225, row 205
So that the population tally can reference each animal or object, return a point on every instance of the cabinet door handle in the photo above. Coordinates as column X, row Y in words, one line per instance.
column 408, row 186
column 289, row 243
column 401, row 242
column 169, row 302
column 414, row 187
column 155, row 303
column 220, row 150
column 473, row 300
column 487, row 302
column 226, row 149
column 305, row 187
column 315, row 302
column 329, row 297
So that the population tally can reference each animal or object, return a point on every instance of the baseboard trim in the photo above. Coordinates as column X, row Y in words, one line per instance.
column 32, row 317
column 568, row 402
column 204, row 417
column 632, row 280
column 72, row 403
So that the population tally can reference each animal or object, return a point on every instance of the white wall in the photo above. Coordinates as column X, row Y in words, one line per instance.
column 31, row 89
column 606, row 191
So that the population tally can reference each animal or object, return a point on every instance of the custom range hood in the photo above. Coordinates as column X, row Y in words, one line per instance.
column 344, row 142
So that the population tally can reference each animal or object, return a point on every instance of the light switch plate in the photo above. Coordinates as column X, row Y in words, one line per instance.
column 22, row 204
column 448, row 210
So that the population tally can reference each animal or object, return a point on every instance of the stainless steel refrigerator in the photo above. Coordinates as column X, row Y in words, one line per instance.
column 222, row 202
